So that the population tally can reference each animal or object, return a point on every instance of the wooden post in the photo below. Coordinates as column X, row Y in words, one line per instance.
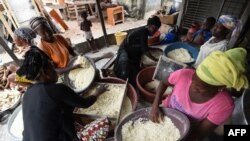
column 102, row 22
column 8, row 50
column 76, row 11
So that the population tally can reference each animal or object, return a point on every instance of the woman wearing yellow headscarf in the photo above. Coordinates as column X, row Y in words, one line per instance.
column 201, row 93
column 224, row 69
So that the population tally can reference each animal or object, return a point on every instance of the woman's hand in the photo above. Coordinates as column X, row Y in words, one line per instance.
column 100, row 89
column 156, row 114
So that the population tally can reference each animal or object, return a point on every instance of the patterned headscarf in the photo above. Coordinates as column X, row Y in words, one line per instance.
column 26, row 34
column 224, row 69
column 231, row 23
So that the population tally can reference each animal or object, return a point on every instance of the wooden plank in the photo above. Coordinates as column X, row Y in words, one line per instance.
column 11, row 12
column 81, row 2
column 91, row 10
column 109, row 63
column 8, row 50
column 77, row 17
column 1, row 7
column 38, row 4
column 6, row 25
column 9, row 15
column 123, row 97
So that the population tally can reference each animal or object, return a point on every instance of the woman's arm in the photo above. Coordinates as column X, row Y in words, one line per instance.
column 201, row 130
column 75, row 100
column 155, row 113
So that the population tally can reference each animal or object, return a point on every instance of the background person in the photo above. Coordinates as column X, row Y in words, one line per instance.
column 86, row 28
column 127, row 63
column 204, row 34
column 54, row 45
column 226, row 25
column 23, row 38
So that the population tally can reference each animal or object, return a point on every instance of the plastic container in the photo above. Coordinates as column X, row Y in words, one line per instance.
column 179, row 119
column 155, row 39
column 143, row 77
column 120, row 36
column 241, row 113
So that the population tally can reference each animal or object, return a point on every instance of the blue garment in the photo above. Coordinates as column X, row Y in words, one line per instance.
column 206, row 34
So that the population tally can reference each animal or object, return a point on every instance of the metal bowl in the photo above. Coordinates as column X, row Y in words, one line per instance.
column 7, row 112
column 179, row 120
column 10, row 122
column 69, row 83
column 241, row 113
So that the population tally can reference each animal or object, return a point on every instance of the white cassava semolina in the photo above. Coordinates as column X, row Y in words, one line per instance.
column 108, row 103
column 180, row 55
column 145, row 130
column 82, row 77
column 146, row 60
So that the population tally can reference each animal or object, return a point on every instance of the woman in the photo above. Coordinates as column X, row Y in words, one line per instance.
column 54, row 45
column 225, row 25
column 204, row 34
column 47, row 106
column 127, row 63
column 201, row 94
column 24, row 38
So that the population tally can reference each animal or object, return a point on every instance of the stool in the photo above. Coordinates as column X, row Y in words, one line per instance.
column 115, row 15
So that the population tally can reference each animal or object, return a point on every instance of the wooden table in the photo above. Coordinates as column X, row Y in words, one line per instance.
column 81, row 2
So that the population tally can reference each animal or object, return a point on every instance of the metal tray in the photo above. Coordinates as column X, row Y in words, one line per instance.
column 165, row 66
column 6, row 113
column 69, row 83
column 93, row 116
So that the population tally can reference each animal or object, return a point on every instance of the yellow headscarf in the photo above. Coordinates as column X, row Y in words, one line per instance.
column 224, row 69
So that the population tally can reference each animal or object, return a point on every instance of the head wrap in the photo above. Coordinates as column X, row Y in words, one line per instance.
column 35, row 22
column 26, row 34
column 224, row 69
column 231, row 23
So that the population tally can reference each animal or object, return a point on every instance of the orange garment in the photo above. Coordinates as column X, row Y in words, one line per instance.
column 57, row 51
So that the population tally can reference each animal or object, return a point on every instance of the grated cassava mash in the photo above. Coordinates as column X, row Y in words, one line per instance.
column 145, row 130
